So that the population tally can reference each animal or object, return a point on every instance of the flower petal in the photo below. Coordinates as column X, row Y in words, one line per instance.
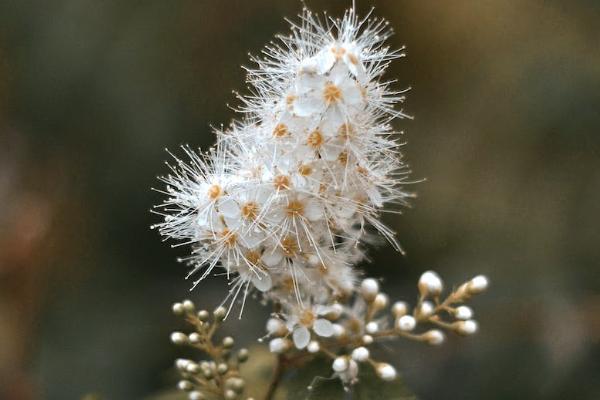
column 262, row 282
column 323, row 327
column 301, row 337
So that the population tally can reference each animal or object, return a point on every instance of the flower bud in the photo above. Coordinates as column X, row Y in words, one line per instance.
column 477, row 284
column 194, row 337
column 360, row 354
column 188, row 306
column 313, row 347
column 367, row 339
column 430, row 284
column 434, row 337
column 467, row 327
column 399, row 309
column 276, row 327
column 178, row 338
column 386, row 371
column 222, row 368
column 340, row 364
column 463, row 312
column 178, row 309
column 369, row 289
column 278, row 345
column 406, row 323
column 203, row 315
column 220, row 313
column 196, row 395
column 184, row 385
column 380, row 302
column 228, row 342
column 242, row 355
column 372, row 327
column 425, row 310
column 230, row 395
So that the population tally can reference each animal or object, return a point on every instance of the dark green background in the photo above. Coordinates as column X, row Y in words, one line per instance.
column 506, row 99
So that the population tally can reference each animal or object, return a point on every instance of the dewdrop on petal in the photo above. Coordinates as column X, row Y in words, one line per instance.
column 386, row 371
column 430, row 284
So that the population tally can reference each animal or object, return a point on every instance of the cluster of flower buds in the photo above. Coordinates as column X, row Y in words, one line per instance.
column 344, row 332
column 216, row 378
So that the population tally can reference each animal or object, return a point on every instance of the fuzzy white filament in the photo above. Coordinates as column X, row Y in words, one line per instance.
column 282, row 202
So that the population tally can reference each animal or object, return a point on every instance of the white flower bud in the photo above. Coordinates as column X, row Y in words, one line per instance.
column 430, row 284
column 399, row 309
column 178, row 338
column 468, row 327
column 195, row 395
column 478, row 284
column 464, row 312
column 188, row 306
column 276, row 327
column 313, row 347
column 386, row 371
column 369, row 289
column 182, row 363
column 178, row 309
column 367, row 339
column 340, row 364
column 194, row 337
column 372, row 327
column 278, row 345
column 380, row 301
column 338, row 330
column 184, row 385
column 360, row 354
column 406, row 323
column 425, row 310
column 434, row 337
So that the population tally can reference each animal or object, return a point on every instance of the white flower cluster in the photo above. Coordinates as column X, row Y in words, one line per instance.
column 345, row 332
column 284, row 199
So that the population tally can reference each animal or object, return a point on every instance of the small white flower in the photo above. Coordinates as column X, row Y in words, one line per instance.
column 308, row 319
column 406, row 323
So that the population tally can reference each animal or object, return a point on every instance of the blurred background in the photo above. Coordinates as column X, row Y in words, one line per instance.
column 506, row 99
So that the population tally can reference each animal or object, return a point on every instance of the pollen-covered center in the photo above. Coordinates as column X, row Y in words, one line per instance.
column 214, row 192
column 315, row 139
column 281, row 182
column 346, row 131
column 307, row 318
column 338, row 52
column 305, row 170
column 250, row 210
column 253, row 257
column 295, row 208
column 280, row 130
column 343, row 157
column 230, row 238
column 289, row 246
column 332, row 93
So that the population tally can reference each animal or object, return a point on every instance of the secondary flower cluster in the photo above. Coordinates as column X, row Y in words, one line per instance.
column 283, row 201
column 218, row 377
column 344, row 331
